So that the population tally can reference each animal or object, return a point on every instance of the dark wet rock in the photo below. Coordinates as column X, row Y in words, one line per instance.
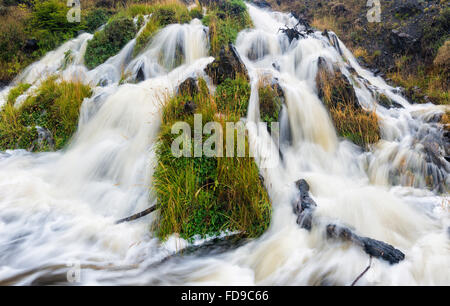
column 304, row 206
column 188, row 87
column 44, row 139
column 189, row 107
column 31, row 45
column 227, row 65
column 276, row 66
column 140, row 76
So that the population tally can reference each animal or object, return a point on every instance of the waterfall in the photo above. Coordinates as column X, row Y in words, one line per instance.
column 59, row 208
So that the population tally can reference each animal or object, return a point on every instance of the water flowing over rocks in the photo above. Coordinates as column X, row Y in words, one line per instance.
column 64, row 205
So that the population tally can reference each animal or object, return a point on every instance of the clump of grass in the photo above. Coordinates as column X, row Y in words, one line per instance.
column 109, row 41
column 232, row 96
column 225, row 20
column 16, row 92
column 208, row 195
column 162, row 15
column 350, row 120
column 54, row 106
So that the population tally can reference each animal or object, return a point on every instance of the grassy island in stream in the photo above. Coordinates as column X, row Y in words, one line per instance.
column 207, row 195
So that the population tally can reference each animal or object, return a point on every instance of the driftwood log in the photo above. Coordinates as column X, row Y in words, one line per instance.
column 138, row 215
column 304, row 208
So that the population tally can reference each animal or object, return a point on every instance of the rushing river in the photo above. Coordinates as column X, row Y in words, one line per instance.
column 58, row 209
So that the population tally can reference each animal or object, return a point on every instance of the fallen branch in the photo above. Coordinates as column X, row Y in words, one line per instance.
column 304, row 208
column 138, row 215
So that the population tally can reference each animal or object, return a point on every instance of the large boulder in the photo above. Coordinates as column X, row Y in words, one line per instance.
column 227, row 65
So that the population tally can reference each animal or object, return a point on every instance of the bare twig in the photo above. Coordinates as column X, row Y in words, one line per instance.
column 138, row 215
column 363, row 272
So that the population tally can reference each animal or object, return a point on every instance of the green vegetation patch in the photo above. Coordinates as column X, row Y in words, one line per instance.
column 225, row 20
column 109, row 41
column 55, row 107
column 232, row 96
column 205, row 196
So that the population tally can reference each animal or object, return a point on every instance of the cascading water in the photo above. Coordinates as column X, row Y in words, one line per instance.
column 59, row 208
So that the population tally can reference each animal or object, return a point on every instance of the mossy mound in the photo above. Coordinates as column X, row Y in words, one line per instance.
column 54, row 108
column 204, row 196
column 109, row 41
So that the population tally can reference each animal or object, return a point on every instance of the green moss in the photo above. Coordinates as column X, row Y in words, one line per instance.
column 109, row 41
column 16, row 92
column 232, row 96
column 55, row 107
column 208, row 195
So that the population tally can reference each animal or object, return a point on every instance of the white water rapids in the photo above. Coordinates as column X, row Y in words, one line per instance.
column 59, row 209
